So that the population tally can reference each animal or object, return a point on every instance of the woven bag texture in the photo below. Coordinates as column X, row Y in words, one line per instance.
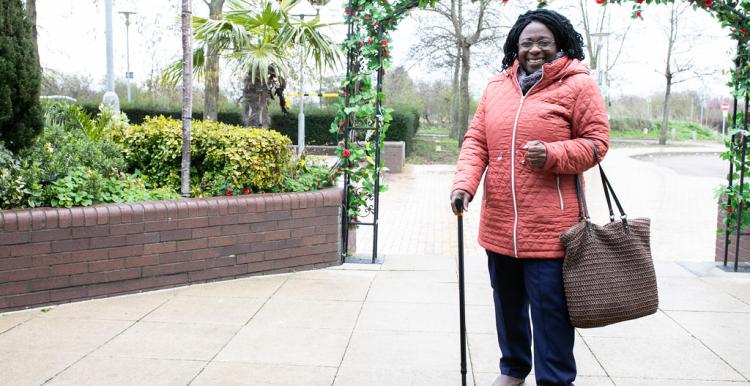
column 608, row 273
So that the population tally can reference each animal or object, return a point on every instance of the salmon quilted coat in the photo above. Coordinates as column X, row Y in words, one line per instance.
column 525, row 209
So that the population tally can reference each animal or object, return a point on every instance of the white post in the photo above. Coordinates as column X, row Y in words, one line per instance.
column 110, row 45
column 110, row 98
column 127, row 51
column 301, row 116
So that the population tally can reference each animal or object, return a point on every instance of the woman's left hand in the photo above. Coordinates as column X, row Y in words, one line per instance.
column 536, row 153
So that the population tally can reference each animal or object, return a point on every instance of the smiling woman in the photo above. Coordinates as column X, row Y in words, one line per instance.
column 539, row 123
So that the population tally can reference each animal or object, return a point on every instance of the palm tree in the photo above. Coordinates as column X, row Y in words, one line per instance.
column 187, row 97
column 258, row 40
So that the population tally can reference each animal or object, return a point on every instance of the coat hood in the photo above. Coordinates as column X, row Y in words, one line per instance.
column 555, row 71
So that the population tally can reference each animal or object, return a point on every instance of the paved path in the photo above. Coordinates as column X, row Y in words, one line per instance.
column 397, row 323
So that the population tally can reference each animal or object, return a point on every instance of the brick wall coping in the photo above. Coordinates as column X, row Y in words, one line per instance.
column 21, row 220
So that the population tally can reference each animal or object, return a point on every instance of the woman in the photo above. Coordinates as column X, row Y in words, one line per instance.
column 535, row 128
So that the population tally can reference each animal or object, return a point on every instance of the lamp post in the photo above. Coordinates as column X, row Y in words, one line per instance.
column 317, row 4
column 599, row 39
column 110, row 98
column 128, row 73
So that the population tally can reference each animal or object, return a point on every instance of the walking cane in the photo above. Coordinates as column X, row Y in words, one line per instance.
column 459, row 203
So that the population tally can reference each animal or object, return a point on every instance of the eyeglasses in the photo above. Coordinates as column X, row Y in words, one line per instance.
column 542, row 44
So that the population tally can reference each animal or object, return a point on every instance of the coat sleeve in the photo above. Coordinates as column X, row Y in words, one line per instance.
column 589, row 123
column 473, row 158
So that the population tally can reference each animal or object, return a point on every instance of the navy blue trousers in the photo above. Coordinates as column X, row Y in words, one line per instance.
column 536, row 284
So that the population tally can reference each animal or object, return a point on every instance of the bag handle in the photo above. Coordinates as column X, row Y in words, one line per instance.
column 583, row 213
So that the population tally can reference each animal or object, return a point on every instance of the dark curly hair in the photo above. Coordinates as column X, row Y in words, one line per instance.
column 566, row 38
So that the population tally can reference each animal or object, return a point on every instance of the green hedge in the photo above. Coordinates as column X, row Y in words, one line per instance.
column 137, row 115
column 223, row 156
column 403, row 127
column 317, row 123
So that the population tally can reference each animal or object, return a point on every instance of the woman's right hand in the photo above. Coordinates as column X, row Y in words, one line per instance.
column 464, row 196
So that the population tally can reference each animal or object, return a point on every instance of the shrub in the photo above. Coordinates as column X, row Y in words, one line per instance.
column 84, row 186
column 12, row 185
column 318, row 124
column 222, row 155
column 20, row 78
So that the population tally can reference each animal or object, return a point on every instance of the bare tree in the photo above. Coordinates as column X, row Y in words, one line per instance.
column 187, row 96
column 679, row 64
column 447, row 42
column 211, row 72
column 595, row 24
column 31, row 14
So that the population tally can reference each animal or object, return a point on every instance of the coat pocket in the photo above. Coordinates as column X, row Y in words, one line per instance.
column 559, row 193
column 497, row 181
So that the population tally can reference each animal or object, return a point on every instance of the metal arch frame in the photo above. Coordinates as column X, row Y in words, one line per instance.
column 349, row 128
column 740, row 136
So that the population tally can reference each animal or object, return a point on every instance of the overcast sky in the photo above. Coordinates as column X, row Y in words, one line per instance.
column 72, row 40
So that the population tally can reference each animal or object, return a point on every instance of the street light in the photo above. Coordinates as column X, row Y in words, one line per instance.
column 128, row 73
column 110, row 99
column 599, row 39
column 317, row 4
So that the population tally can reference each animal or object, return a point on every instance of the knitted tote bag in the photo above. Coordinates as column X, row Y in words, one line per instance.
column 608, row 273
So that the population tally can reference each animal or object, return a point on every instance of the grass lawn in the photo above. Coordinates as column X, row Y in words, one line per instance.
column 433, row 150
column 683, row 132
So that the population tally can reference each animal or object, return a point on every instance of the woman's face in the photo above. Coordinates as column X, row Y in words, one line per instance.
column 536, row 46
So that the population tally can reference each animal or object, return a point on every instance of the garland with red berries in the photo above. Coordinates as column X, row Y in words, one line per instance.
column 368, row 47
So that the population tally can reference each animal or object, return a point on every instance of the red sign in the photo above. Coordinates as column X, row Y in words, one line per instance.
column 725, row 107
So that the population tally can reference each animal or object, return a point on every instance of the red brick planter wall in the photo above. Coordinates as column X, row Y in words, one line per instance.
column 58, row 255
column 720, row 237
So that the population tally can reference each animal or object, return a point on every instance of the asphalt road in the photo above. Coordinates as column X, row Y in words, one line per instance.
column 691, row 164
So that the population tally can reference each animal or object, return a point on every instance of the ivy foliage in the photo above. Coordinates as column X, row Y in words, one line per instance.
column 368, row 45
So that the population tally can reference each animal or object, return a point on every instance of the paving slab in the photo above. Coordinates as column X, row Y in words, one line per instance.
column 384, row 290
column 242, row 374
column 402, row 316
column 658, row 325
column 288, row 346
column 129, row 371
column 333, row 314
column 22, row 368
column 486, row 379
column 128, row 307
column 661, row 358
column 694, row 294
column 199, row 309
column 178, row 341
column 342, row 289
column 398, row 349
column 723, row 333
column 251, row 287
column 13, row 319
column 672, row 382
column 365, row 375
column 58, row 335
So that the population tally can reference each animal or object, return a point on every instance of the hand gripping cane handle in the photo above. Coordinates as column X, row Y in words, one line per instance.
column 459, row 203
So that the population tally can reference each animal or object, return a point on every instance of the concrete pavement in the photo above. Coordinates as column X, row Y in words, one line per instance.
column 396, row 323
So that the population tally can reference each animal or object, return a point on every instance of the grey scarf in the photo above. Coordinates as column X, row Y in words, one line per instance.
column 526, row 81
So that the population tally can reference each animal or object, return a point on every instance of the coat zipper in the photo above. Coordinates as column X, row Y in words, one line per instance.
column 513, row 164
column 559, row 193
